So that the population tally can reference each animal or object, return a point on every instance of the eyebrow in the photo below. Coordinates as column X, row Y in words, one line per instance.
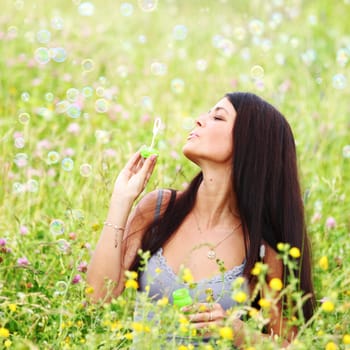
column 218, row 108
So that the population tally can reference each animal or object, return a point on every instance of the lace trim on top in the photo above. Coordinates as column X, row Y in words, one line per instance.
column 228, row 275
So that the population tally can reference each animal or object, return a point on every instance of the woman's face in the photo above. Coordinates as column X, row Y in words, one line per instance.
column 211, row 139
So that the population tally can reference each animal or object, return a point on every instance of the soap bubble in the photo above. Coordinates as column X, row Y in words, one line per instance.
column 60, row 288
column 308, row 56
column 142, row 39
column 24, row 118
column 19, row 142
column 180, row 32
column 201, row 65
column 49, row 96
column 339, row 81
column 102, row 136
column 58, row 54
column 88, row 65
column 346, row 151
column 62, row 107
column 177, row 86
column 85, row 170
column 86, row 9
column 256, row 27
column 57, row 23
column 63, row 245
column 21, row 160
column 74, row 111
column 343, row 56
column 32, row 186
column 158, row 68
column 17, row 187
column 42, row 55
column 257, row 72
column 72, row 94
column 146, row 102
column 57, row 227
column 226, row 47
column 126, row 9
column 100, row 91
column 43, row 36
column 87, row 91
column 101, row 105
column 67, row 164
column 148, row 5
column 52, row 157
column 25, row 96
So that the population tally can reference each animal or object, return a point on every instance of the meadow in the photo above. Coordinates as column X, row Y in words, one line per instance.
column 80, row 86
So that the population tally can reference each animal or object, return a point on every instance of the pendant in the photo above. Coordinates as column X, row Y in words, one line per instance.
column 211, row 254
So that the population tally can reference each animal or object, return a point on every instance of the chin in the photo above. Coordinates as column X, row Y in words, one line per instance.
column 190, row 154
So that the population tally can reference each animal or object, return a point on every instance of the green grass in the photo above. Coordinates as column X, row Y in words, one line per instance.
column 300, row 50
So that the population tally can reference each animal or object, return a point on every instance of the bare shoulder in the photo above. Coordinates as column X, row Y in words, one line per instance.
column 149, row 203
column 273, row 261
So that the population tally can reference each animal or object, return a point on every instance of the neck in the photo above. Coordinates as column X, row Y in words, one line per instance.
column 216, row 201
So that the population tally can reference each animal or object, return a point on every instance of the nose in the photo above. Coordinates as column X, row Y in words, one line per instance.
column 200, row 121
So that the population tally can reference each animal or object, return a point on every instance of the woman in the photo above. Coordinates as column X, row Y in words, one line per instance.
column 247, row 196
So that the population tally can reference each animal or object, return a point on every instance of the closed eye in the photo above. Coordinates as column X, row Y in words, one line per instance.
column 218, row 117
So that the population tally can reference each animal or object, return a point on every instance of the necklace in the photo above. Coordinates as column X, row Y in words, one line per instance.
column 211, row 253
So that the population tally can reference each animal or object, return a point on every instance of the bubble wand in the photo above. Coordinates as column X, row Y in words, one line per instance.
column 148, row 151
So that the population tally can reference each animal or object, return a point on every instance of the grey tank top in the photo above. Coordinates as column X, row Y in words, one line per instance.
column 162, row 280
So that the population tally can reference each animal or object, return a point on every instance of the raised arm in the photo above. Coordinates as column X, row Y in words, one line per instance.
column 107, row 260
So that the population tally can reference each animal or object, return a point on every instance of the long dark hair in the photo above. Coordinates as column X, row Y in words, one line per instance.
column 265, row 180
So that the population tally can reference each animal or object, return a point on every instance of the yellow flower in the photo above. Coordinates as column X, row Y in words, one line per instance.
column 183, row 320
column 7, row 343
column 95, row 226
column 226, row 333
column 240, row 297
column 264, row 303
column 281, row 246
column 158, row 270
column 89, row 290
column 238, row 282
column 162, row 302
column 331, row 346
column 327, row 306
column 13, row 307
column 253, row 312
column 256, row 271
column 294, row 252
column 138, row 326
column 323, row 263
column 4, row 332
column 276, row 284
column 187, row 276
column 250, row 348
column 182, row 347
column 346, row 339
column 128, row 336
column 131, row 275
column 132, row 284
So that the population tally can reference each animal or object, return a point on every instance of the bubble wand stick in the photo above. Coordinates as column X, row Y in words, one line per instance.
column 148, row 151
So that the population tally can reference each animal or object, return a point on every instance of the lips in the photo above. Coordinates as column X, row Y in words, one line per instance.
column 192, row 135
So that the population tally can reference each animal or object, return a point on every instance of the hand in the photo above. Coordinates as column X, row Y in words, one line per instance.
column 204, row 315
column 134, row 177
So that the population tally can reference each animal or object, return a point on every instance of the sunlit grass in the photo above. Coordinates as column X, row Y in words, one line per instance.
column 80, row 86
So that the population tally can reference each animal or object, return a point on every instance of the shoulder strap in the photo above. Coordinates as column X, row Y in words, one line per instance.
column 160, row 199
column 159, row 203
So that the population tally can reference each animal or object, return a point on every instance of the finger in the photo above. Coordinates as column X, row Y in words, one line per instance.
column 148, row 166
column 206, row 317
column 133, row 161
